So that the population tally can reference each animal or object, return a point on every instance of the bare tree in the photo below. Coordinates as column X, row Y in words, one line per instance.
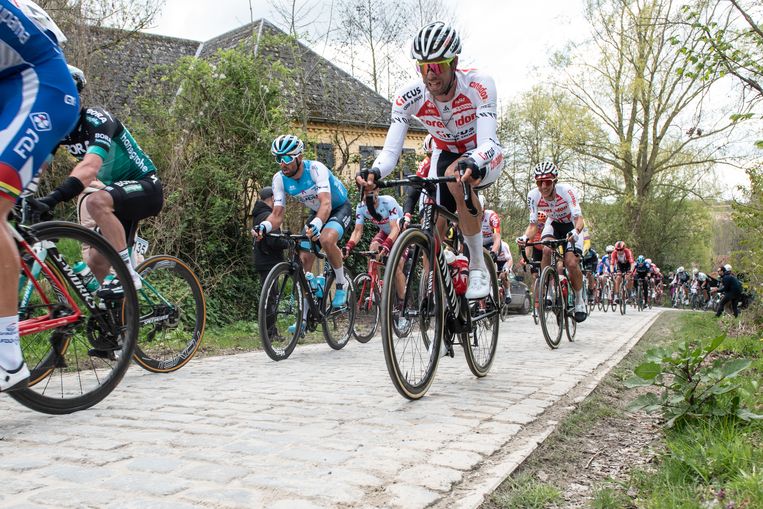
column 639, row 91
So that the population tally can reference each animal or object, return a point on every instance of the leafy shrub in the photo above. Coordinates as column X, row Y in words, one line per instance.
column 692, row 384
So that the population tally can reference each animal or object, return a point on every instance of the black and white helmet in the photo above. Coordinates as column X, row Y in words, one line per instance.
column 435, row 41
column 546, row 170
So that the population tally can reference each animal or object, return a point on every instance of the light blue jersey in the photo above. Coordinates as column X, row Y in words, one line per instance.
column 315, row 179
column 388, row 209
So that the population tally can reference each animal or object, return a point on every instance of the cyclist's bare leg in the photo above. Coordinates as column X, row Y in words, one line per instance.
column 329, row 239
column 10, row 350
column 100, row 205
column 307, row 259
column 571, row 261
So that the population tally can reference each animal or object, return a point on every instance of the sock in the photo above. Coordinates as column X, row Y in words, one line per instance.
column 125, row 255
column 339, row 273
column 305, row 309
column 474, row 243
column 10, row 349
column 579, row 296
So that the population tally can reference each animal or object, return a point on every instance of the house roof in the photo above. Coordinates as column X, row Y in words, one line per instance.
column 330, row 95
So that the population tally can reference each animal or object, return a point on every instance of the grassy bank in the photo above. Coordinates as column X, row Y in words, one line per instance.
column 602, row 456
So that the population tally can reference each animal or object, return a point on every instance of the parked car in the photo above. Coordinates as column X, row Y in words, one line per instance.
column 520, row 295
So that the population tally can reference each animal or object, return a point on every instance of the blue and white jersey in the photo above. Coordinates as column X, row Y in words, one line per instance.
column 604, row 265
column 315, row 179
column 29, row 35
column 643, row 268
column 388, row 209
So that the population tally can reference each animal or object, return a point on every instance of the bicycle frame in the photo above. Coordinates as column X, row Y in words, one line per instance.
column 47, row 322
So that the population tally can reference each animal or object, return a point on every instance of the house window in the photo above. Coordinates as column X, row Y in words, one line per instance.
column 367, row 156
column 324, row 152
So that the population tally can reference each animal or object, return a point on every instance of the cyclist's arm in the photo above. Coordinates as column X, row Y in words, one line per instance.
column 324, row 210
column 411, row 200
column 276, row 217
column 357, row 233
column 87, row 170
column 487, row 123
column 394, row 230
column 400, row 118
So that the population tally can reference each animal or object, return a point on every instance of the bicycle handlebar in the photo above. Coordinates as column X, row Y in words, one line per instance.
column 295, row 239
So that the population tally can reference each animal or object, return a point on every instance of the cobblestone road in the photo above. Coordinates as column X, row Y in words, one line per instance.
column 321, row 429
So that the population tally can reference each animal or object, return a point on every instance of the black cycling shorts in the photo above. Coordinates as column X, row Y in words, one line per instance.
column 136, row 199
column 624, row 267
column 339, row 219
column 560, row 232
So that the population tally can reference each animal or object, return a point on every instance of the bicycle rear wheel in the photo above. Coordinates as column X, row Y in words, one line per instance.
column 75, row 366
column 480, row 344
column 173, row 314
column 367, row 301
column 412, row 327
column 551, row 307
column 623, row 298
column 338, row 322
column 281, row 308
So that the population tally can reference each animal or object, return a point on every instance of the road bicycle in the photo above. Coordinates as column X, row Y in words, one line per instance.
column 76, row 344
column 431, row 316
column 368, row 286
column 290, row 305
column 173, row 310
column 556, row 296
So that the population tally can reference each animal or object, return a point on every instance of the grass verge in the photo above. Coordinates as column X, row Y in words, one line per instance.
column 601, row 456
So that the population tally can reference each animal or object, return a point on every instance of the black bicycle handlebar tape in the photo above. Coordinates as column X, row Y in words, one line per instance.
column 463, row 164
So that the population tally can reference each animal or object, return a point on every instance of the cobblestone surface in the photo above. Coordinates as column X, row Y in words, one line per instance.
column 321, row 429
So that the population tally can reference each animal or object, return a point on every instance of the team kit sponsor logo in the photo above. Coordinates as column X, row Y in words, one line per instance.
column 26, row 144
column 14, row 24
column 408, row 96
column 41, row 121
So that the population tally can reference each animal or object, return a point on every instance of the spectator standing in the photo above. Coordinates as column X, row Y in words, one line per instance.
column 731, row 288
column 268, row 252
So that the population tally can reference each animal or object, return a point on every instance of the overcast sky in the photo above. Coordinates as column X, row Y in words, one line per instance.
column 512, row 40
column 507, row 38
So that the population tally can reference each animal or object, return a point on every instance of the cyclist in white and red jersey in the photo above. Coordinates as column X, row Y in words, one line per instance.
column 413, row 199
column 504, row 265
column 564, row 220
column 459, row 109
column 491, row 230
column 38, row 106
column 623, row 264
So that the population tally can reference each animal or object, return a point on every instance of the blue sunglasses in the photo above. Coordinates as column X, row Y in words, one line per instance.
column 285, row 159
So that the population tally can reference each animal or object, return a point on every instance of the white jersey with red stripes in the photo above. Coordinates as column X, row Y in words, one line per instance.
column 491, row 224
column 467, row 123
column 564, row 208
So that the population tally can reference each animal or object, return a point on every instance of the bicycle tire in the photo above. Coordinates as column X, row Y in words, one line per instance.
column 66, row 375
column 481, row 354
column 551, row 305
column 283, row 295
column 623, row 298
column 640, row 298
column 536, row 286
column 171, row 299
column 338, row 323
column 421, row 307
column 367, row 309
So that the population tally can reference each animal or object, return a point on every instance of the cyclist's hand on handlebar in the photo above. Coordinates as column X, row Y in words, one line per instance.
column 469, row 172
column 261, row 229
column 405, row 221
column 494, row 255
column 367, row 178
column 573, row 236
column 521, row 241
column 41, row 209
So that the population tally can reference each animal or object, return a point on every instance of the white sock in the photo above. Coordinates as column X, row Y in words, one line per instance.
column 474, row 243
column 305, row 309
column 339, row 273
column 125, row 255
column 10, row 349
column 579, row 295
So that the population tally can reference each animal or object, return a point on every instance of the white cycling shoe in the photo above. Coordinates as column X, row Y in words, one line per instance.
column 16, row 379
column 479, row 284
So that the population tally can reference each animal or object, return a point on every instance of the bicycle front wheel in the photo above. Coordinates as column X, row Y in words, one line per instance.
column 623, row 298
column 552, row 307
column 412, row 315
column 367, row 300
column 173, row 314
column 280, row 312
column 75, row 366
column 338, row 322
column 480, row 344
